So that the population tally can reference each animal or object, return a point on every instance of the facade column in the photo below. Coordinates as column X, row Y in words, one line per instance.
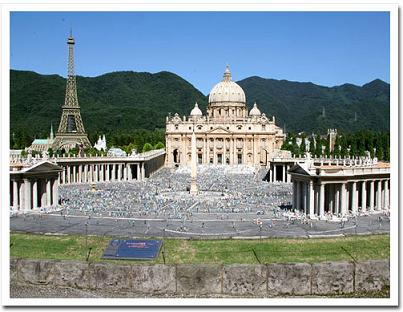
column 143, row 173
column 129, row 172
column 80, row 173
column 354, row 197
column 363, row 197
column 74, row 174
column 311, row 200
column 322, row 200
column 27, row 195
column 15, row 195
column 113, row 172
column 284, row 174
column 107, row 168
column 379, row 195
column 34, row 194
column 124, row 172
column 119, row 172
column 138, row 172
column 48, row 192
column 64, row 175
column 337, row 199
column 274, row 173
column 55, row 192
column 68, row 174
column 298, row 206
column 371, row 195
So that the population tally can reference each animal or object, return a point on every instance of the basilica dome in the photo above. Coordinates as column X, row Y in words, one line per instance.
column 227, row 91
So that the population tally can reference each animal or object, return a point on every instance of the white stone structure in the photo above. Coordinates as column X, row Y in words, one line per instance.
column 228, row 134
column 34, row 186
column 347, row 187
column 101, row 144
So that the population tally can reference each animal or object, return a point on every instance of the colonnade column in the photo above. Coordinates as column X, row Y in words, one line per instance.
column 27, row 194
column 48, row 192
column 113, row 172
column 354, row 197
column 304, row 196
column 386, row 204
column 288, row 175
column 15, row 195
column 379, row 195
column 363, row 197
column 337, row 199
column 34, row 194
column 85, row 173
column 55, row 192
column 322, row 200
column 371, row 195
column 311, row 200
column 101, row 173
column 294, row 194
column 119, row 172
column 298, row 206
column 331, row 198
column 129, row 172
column 343, row 199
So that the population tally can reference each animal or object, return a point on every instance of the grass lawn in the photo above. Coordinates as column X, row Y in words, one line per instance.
column 276, row 250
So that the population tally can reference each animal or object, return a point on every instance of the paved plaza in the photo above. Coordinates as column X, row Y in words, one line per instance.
column 233, row 201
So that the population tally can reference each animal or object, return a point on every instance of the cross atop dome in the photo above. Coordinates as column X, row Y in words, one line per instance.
column 227, row 74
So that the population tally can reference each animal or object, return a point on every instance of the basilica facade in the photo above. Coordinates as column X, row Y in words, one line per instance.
column 228, row 134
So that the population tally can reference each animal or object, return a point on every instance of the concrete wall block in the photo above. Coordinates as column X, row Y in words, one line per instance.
column 372, row 275
column 13, row 270
column 72, row 274
column 332, row 278
column 36, row 271
column 156, row 278
column 288, row 279
column 245, row 280
column 112, row 276
column 198, row 279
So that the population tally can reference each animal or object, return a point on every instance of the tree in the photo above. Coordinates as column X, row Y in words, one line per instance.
column 159, row 145
column 147, row 147
column 50, row 152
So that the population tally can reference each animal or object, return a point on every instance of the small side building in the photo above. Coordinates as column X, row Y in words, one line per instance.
column 34, row 186
column 350, row 188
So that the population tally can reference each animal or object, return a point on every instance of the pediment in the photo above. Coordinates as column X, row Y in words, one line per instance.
column 299, row 169
column 219, row 130
column 44, row 166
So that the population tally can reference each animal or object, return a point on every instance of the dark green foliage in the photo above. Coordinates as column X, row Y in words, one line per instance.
column 299, row 105
column 118, row 104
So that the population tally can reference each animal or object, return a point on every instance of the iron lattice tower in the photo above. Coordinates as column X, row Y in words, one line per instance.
column 71, row 130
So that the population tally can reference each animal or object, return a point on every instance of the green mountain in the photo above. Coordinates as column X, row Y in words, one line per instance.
column 111, row 102
column 308, row 107
column 124, row 101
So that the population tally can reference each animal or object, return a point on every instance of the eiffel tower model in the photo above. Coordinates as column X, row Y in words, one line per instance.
column 71, row 131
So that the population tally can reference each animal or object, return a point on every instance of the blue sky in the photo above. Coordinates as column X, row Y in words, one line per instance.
column 326, row 48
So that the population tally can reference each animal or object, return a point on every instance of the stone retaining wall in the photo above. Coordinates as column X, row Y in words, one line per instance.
column 271, row 280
